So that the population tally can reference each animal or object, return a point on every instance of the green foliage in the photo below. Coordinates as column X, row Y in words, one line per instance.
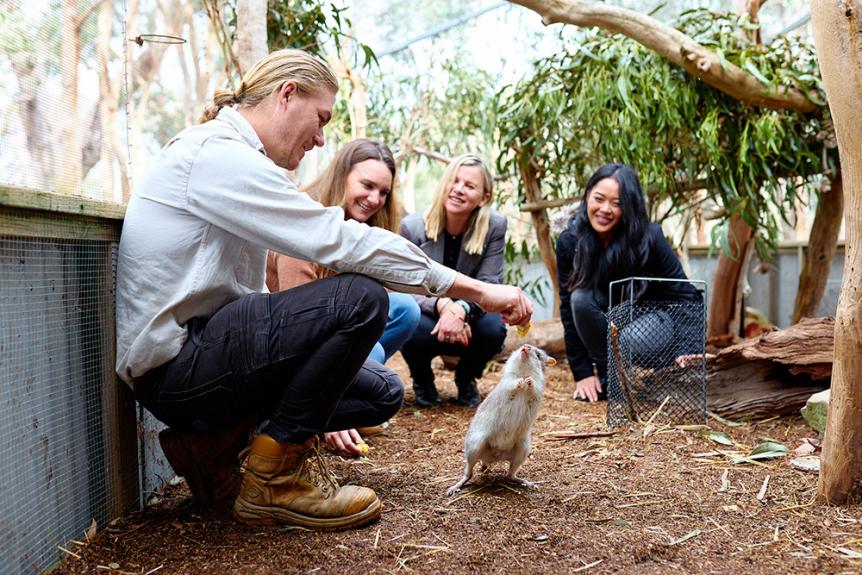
column 607, row 98
column 450, row 110
column 317, row 27
column 310, row 25
column 306, row 24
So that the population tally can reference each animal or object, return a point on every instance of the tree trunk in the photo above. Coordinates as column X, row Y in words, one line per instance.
column 725, row 282
column 250, row 32
column 821, row 248
column 69, row 180
column 837, row 33
column 108, row 101
column 533, row 192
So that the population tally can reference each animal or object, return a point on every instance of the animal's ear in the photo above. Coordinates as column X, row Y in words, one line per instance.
column 551, row 361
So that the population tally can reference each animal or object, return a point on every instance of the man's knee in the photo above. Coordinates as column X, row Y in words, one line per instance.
column 384, row 388
column 394, row 396
column 365, row 294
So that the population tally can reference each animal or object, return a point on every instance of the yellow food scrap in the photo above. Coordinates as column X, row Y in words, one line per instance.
column 523, row 330
column 363, row 448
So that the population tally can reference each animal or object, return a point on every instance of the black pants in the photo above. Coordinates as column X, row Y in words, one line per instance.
column 488, row 335
column 588, row 311
column 296, row 357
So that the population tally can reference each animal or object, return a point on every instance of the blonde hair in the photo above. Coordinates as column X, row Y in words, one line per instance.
column 477, row 227
column 329, row 187
column 310, row 74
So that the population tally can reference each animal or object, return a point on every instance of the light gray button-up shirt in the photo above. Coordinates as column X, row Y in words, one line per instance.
column 198, row 227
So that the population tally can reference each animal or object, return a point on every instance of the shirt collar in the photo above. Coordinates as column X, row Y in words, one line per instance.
column 241, row 125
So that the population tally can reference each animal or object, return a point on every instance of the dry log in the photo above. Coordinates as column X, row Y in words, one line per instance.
column 809, row 342
column 772, row 374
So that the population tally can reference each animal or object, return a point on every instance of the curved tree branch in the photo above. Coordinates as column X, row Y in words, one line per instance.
column 673, row 45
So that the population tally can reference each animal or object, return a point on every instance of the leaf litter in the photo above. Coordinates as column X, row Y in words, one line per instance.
column 685, row 517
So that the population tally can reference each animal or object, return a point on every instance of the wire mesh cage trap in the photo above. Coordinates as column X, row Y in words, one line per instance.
column 656, row 352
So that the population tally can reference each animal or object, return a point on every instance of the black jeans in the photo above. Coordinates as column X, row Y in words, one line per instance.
column 488, row 335
column 588, row 311
column 296, row 357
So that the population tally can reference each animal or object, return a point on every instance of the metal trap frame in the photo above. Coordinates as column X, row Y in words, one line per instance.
column 656, row 356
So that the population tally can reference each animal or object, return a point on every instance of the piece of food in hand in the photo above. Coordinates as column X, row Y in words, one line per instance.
column 523, row 330
column 363, row 448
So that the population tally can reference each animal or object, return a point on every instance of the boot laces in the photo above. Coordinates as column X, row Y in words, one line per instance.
column 316, row 471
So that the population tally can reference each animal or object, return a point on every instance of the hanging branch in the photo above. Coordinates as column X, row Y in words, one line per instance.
column 676, row 47
column 79, row 21
column 212, row 9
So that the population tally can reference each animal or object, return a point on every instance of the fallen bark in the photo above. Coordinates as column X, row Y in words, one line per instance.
column 773, row 374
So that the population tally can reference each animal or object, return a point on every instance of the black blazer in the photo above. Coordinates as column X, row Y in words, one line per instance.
column 486, row 267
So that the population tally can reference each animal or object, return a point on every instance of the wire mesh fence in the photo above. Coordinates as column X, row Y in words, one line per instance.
column 656, row 364
column 60, row 422
column 80, row 103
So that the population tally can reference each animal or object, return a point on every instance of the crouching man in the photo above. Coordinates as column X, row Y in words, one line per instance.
column 211, row 356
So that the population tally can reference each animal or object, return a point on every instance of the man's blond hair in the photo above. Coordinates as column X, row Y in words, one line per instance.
column 310, row 74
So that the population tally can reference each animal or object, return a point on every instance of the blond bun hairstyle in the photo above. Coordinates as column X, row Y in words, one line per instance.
column 310, row 74
column 480, row 219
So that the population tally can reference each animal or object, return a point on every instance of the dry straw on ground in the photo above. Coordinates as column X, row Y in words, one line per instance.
column 649, row 499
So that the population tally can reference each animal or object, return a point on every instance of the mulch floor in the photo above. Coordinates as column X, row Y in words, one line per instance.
column 649, row 499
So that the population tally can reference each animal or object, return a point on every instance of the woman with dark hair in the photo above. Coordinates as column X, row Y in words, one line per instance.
column 609, row 238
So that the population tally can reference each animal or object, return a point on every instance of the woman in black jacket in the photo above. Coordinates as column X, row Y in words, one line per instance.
column 610, row 237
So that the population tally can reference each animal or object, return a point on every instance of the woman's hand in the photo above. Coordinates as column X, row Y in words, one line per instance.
column 588, row 388
column 452, row 327
column 344, row 442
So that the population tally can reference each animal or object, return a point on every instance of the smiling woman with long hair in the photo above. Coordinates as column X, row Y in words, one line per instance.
column 361, row 181
column 461, row 231
column 609, row 238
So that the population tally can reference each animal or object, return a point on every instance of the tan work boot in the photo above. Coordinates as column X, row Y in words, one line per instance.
column 208, row 460
column 281, row 486
column 371, row 430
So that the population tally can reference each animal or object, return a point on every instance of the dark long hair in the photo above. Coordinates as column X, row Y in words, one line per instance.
column 626, row 253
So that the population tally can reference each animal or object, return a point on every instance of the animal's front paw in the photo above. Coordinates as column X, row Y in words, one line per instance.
column 453, row 490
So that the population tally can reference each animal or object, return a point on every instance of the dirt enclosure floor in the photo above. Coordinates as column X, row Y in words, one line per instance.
column 650, row 499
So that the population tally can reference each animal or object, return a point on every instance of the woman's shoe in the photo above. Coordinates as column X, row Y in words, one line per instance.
column 468, row 394
column 426, row 395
